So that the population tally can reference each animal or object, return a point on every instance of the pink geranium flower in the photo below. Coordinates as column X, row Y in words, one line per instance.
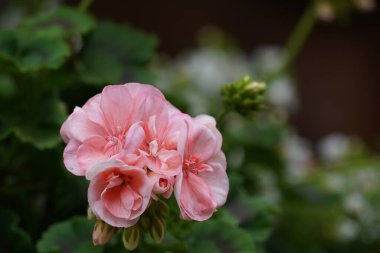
column 162, row 185
column 202, row 186
column 118, row 194
column 163, row 127
column 97, row 131
column 133, row 145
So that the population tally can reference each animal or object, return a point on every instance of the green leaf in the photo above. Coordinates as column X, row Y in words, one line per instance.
column 72, row 236
column 44, row 132
column 61, row 21
column 116, row 54
column 254, row 215
column 5, row 128
column 40, row 138
column 12, row 238
column 29, row 52
column 219, row 236
column 7, row 87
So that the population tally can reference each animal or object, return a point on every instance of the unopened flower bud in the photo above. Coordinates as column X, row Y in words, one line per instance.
column 256, row 86
column 131, row 237
column 244, row 96
column 90, row 214
column 157, row 230
column 145, row 221
column 102, row 233
column 162, row 209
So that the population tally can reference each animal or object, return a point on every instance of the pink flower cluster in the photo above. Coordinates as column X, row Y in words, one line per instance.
column 133, row 145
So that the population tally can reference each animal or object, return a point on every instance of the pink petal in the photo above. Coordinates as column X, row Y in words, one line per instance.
column 141, row 189
column 177, row 193
column 183, row 137
column 134, row 138
column 105, row 167
column 202, row 143
column 93, row 110
column 100, row 211
column 140, row 182
column 80, row 127
column 137, row 201
column 196, row 199
column 176, row 136
column 206, row 120
column 143, row 90
column 70, row 158
column 166, row 188
column 217, row 178
column 91, row 152
column 168, row 193
column 172, row 161
column 156, row 116
column 153, row 147
column 118, row 201
column 116, row 104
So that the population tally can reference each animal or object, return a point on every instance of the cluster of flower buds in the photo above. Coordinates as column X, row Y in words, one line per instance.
column 244, row 96
column 136, row 149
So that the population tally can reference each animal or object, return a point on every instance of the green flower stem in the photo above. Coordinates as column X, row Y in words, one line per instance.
column 85, row 4
column 297, row 39
column 300, row 34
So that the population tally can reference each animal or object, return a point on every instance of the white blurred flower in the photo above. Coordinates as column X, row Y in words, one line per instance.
column 282, row 93
column 268, row 186
column 347, row 230
column 298, row 157
column 368, row 179
column 325, row 11
column 267, row 59
column 335, row 182
column 355, row 203
column 332, row 148
column 209, row 68
column 365, row 5
column 202, row 72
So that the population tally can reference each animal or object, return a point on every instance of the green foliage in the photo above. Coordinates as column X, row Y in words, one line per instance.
column 219, row 236
column 12, row 238
column 114, row 53
column 64, row 21
column 72, row 236
column 27, row 51
column 43, row 133
column 55, row 50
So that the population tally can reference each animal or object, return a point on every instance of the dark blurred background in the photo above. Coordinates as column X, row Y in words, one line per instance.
column 337, row 71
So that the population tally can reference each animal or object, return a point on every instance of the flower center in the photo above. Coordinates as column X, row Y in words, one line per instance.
column 117, row 179
column 163, row 182
column 195, row 166
column 191, row 165
column 115, row 142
